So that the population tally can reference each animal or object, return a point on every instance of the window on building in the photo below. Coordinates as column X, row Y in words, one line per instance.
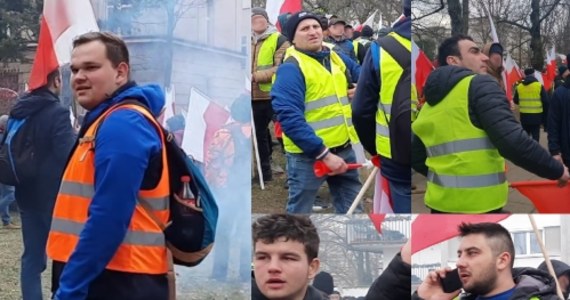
column 526, row 243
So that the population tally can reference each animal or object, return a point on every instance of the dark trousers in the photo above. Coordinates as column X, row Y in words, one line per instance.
column 262, row 113
column 533, row 131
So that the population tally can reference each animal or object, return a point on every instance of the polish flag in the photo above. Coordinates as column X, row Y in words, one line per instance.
column 275, row 8
column 203, row 120
column 377, row 220
column 421, row 68
column 382, row 203
column 550, row 73
column 369, row 22
column 493, row 30
column 61, row 22
column 511, row 75
column 431, row 229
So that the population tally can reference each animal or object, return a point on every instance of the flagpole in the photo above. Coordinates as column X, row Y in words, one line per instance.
column 546, row 256
column 362, row 191
column 256, row 149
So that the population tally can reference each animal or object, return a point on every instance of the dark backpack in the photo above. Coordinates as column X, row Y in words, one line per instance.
column 401, row 114
column 188, row 237
column 17, row 153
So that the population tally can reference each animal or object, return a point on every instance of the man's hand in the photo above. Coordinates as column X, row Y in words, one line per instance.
column 335, row 163
column 351, row 92
column 431, row 289
column 558, row 157
column 562, row 181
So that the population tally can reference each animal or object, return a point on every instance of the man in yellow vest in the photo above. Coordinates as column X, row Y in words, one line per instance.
column 103, row 243
column 465, row 131
column 532, row 100
column 485, row 260
column 382, row 108
column 362, row 43
column 267, row 50
column 311, row 99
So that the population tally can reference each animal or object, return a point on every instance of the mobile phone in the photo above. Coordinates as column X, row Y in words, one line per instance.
column 451, row 282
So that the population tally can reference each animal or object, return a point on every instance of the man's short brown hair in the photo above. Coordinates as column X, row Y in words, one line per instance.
column 117, row 51
column 299, row 228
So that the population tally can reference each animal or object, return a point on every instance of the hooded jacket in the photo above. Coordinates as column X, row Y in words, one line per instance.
column 53, row 137
column 265, row 76
column 126, row 144
column 344, row 45
column 489, row 111
column 533, row 119
column 529, row 283
column 365, row 105
column 559, row 123
column 497, row 73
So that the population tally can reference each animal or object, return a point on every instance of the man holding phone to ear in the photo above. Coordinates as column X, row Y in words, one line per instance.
column 485, row 268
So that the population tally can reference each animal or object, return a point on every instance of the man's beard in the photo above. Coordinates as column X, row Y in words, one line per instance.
column 486, row 283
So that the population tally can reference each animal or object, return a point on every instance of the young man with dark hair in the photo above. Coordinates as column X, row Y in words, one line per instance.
column 464, row 133
column 485, row 263
column 285, row 257
column 103, row 242
column 52, row 137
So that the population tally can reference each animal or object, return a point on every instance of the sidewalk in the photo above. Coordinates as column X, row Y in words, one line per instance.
column 517, row 203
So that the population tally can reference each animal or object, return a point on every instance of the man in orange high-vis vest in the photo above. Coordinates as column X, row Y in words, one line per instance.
column 103, row 243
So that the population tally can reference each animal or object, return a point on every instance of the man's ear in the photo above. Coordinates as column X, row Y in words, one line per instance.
column 314, row 267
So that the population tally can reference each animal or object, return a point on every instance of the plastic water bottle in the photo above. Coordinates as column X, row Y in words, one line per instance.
column 187, row 196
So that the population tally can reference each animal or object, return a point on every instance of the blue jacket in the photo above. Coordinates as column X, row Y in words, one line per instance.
column 365, row 105
column 124, row 144
column 288, row 100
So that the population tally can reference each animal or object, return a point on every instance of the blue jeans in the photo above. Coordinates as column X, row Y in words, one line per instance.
column 401, row 197
column 35, row 230
column 6, row 198
column 304, row 185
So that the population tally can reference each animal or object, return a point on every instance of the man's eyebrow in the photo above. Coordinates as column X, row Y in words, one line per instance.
column 467, row 249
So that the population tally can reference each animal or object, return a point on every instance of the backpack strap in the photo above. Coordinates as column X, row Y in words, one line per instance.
column 396, row 50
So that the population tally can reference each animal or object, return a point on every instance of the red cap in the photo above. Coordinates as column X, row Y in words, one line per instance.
column 185, row 178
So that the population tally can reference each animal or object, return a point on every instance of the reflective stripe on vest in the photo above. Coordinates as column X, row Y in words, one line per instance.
column 529, row 98
column 326, row 103
column 390, row 73
column 466, row 172
column 143, row 249
column 415, row 103
column 265, row 57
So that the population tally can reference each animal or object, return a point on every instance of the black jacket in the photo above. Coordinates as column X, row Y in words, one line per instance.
column 488, row 110
column 559, row 123
column 394, row 283
column 529, row 282
column 54, row 135
column 533, row 119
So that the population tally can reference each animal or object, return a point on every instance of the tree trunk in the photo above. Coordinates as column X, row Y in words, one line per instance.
column 537, row 59
column 456, row 15
column 465, row 12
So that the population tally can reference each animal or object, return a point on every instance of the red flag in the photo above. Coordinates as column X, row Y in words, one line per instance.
column 428, row 230
column 422, row 67
column 61, row 22
column 550, row 73
column 512, row 75
column 275, row 8
column 546, row 196
column 377, row 220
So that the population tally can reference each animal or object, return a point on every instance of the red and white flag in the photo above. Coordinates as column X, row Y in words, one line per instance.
column 382, row 203
column 511, row 75
column 421, row 68
column 550, row 73
column 203, row 120
column 428, row 230
column 61, row 22
column 493, row 30
column 275, row 8
column 369, row 22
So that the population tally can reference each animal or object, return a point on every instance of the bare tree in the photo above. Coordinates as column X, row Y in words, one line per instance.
column 459, row 14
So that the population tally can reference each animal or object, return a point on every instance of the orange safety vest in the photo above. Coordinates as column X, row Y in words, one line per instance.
column 143, row 249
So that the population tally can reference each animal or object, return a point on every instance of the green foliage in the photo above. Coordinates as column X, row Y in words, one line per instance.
column 19, row 25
